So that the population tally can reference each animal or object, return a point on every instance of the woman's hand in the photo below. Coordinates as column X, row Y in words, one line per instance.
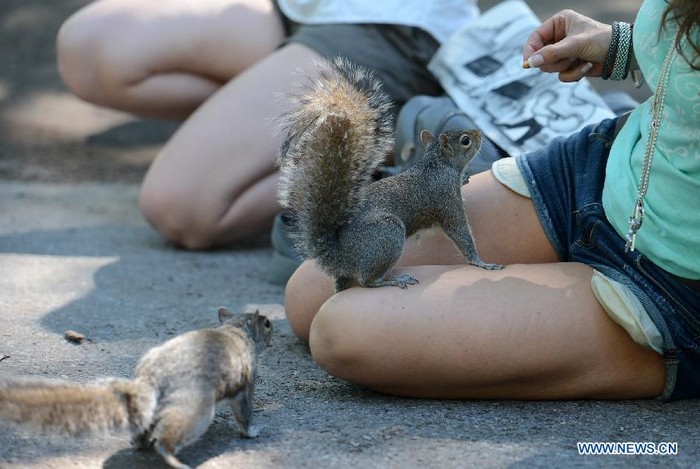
column 570, row 44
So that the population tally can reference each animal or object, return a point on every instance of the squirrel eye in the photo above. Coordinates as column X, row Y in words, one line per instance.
column 465, row 140
column 267, row 324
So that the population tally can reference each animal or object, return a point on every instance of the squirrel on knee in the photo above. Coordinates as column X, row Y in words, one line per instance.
column 338, row 134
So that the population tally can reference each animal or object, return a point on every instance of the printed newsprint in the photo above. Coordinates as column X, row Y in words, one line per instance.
column 521, row 110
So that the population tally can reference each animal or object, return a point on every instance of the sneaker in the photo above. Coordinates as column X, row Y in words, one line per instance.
column 285, row 257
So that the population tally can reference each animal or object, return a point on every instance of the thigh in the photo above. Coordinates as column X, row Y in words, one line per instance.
column 526, row 332
column 212, row 38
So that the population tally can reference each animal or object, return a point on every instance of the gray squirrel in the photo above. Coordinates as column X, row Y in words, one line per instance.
column 171, row 401
column 337, row 134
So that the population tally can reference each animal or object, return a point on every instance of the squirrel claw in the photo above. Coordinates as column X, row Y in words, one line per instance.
column 404, row 281
column 488, row 266
column 252, row 432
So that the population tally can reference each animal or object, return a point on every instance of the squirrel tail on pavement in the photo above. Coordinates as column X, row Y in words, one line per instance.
column 338, row 132
column 74, row 409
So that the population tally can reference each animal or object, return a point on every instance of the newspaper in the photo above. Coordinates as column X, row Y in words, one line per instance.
column 521, row 110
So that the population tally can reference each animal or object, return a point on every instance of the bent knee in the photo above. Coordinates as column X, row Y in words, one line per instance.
column 77, row 56
column 307, row 289
column 88, row 56
column 336, row 343
column 171, row 214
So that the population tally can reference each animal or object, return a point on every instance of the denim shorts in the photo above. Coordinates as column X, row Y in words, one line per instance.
column 398, row 54
column 565, row 180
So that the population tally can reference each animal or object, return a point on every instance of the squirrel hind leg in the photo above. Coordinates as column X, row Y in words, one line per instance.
column 170, row 458
column 343, row 283
column 402, row 281
column 179, row 425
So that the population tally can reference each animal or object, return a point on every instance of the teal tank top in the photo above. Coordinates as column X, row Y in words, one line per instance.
column 670, row 232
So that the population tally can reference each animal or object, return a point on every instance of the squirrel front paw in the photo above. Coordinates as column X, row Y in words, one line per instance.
column 488, row 266
column 252, row 432
column 402, row 281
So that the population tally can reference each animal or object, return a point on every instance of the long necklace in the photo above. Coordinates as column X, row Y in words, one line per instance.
column 657, row 107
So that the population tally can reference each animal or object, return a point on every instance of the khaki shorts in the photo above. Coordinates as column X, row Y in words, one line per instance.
column 398, row 54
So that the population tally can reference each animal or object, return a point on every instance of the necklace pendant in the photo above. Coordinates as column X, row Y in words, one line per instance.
column 631, row 239
column 635, row 222
column 634, row 225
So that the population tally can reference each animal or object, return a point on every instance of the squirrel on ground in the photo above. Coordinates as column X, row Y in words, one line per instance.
column 171, row 401
column 338, row 133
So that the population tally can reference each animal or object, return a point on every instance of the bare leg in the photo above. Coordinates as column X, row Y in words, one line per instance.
column 214, row 181
column 526, row 332
column 159, row 58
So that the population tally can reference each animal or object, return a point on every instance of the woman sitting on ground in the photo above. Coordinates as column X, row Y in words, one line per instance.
column 600, row 232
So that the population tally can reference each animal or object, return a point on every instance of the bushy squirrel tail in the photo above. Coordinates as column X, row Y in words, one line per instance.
column 74, row 409
column 338, row 132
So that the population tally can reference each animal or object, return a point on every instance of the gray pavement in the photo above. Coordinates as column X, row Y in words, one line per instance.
column 76, row 254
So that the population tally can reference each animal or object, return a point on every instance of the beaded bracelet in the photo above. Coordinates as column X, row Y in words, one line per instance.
column 617, row 61
column 619, row 71
column 612, row 52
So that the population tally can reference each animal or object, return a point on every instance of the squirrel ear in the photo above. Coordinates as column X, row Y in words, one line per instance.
column 426, row 137
column 256, row 313
column 224, row 314
column 444, row 140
